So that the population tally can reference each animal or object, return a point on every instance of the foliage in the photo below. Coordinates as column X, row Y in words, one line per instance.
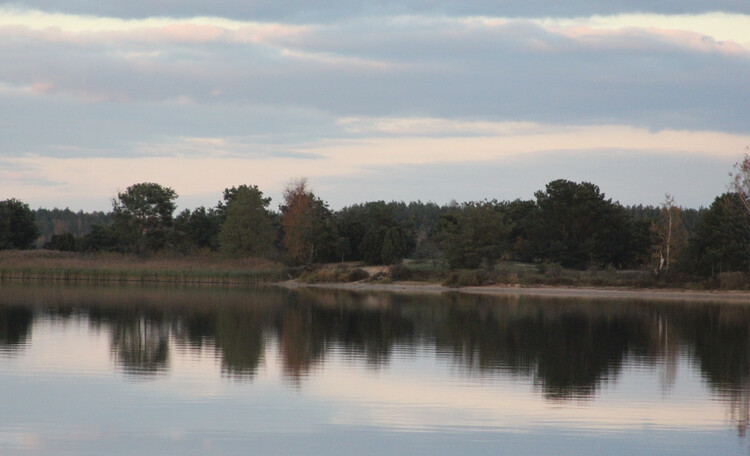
column 740, row 183
column 519, row 216
column 142, row 216
column 577, row 227
column 339, row 274
column 247, row 227
column 17, row 225
column 668, row 234
column 379, row 232
column 394, row 247
column 101, row 239
column 473, row 234
column 64, row 242
column 197, row 229
column 309, row 232
column 722, row 239
column 59, row 221
column 463, row 278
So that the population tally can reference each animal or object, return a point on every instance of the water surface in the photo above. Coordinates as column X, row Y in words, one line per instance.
column 189, row 371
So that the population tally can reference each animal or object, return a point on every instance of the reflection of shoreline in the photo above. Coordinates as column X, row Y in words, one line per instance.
column 552, row 292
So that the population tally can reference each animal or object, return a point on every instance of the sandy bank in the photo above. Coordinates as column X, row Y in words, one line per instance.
column 556, row 292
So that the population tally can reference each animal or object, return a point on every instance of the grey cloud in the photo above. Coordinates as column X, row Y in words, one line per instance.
column 308, row 10
column 516, row 72
column 63, row 127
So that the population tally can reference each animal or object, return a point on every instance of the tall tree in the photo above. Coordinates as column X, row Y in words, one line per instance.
column 142, row 216
column 721, row 242
column 309, row 231
column 668, row 233
column 247, row 227
column 473, row 234
column 17, row 227
column 577, row 226
column 379, row 232
column 740, row 183
column 197, row 229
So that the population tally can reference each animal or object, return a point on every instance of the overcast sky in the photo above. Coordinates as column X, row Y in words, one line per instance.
column 406, row 100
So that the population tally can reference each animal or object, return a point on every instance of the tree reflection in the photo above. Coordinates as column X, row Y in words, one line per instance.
column 15, row 328
column 719, row 338
column 240, row 342
column 568, row 354
column 566, row 349
column 140, row 345
column 314, row 325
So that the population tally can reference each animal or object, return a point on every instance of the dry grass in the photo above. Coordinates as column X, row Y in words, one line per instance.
column 43, row 264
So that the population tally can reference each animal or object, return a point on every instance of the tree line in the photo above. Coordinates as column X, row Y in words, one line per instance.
column 572, row 224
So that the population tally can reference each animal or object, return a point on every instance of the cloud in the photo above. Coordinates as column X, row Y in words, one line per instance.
column 530, row 70
column 402, row 402
column 504, row 161
column 308, row 10
column 362, row 90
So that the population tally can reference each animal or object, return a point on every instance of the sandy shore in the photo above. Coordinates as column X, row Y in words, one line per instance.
column 553, row 292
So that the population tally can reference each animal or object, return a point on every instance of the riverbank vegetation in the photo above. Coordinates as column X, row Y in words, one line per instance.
column 119, row 267
column 570, row 234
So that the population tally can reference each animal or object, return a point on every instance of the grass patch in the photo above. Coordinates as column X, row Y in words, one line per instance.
column 113, row 267
column 338, row 273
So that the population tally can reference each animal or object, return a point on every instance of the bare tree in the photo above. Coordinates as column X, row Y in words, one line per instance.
column 668, row 233
column 740, row 183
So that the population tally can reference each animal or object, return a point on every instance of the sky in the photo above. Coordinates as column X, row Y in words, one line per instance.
column 372, row 100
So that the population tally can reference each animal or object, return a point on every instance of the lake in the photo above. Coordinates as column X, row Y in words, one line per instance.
column 133, row 370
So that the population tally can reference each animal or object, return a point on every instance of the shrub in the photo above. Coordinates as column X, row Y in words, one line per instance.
column 551, row 270
column 733, row 280
column 399, row 272
column 463, row 278
column 338, row 274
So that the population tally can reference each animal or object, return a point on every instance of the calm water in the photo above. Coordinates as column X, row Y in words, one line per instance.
column 195, row 371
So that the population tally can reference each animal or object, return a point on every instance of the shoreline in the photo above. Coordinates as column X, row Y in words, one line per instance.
column 651, row 294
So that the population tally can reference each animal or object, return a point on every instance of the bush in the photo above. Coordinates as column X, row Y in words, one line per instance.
column 733, row 280
column 551, row 270
column 340, row 274
column 399, row 272
column 507, row 278
column 464, row 278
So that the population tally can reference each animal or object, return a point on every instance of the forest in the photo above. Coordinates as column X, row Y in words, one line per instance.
column 570, row 225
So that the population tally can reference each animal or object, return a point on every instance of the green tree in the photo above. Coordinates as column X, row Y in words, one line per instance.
column 60, row 221
column 473, row 234
column 142, row 216
column 64, row 242
column 520, row 216
column 17, row 225
column 101, row 239
column 248, row 226
column 721, row 242
column 197, row 229
column 394, row 246
column 577, row 226
column 367, row 226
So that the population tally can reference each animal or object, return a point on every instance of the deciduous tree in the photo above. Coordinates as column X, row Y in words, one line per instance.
column 669, row 234
column 740, row 183
column 309, row 232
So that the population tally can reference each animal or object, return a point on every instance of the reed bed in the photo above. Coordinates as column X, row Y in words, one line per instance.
column 113, row 267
